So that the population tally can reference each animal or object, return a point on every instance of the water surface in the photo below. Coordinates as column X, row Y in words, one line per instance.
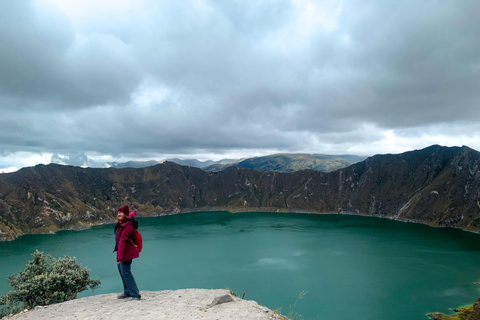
column 351, row 267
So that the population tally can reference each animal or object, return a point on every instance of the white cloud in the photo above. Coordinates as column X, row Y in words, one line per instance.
column 315, row 15
column 14, row 161
column 8, row 169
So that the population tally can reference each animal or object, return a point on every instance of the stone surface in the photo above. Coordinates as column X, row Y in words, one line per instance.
column 436, row 315
column 191, row 304
column 222, row 299
column 475, row 315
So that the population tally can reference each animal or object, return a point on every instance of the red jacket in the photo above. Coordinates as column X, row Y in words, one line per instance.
column 125, row 248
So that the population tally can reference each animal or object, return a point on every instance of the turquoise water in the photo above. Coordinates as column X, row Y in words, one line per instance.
column 351, row 267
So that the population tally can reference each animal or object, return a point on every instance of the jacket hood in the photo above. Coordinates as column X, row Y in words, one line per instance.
column 123, row 224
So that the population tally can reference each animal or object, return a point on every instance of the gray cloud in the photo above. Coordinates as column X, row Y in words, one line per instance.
column 183, row 77
column 44, row 62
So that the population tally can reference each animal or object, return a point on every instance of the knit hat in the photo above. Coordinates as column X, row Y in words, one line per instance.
column 124, row 209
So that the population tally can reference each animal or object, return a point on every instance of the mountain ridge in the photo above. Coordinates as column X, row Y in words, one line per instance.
column 437, row 185
column 290, row 162
column 282, row 162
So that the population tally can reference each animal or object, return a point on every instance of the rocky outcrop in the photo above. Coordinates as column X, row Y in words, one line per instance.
column 467, row 313
column 475, row 315
column 437, row 185
column 187, row 304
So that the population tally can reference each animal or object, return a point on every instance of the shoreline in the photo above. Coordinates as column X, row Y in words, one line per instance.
column 81, row 227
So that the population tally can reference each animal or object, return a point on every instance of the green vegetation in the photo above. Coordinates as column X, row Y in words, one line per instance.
column 45, row 281
column 231, row 292
column 285, row 162
column 295, row 315
column 463, row 314
column 292, row 314
column 277, row 312
column 466, row 313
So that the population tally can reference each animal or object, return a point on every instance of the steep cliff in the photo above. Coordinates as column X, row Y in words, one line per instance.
column 437, row 185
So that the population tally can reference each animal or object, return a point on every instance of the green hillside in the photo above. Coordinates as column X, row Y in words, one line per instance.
column 290, row 162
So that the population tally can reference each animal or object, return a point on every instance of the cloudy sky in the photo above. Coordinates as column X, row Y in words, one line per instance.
column 138, row 80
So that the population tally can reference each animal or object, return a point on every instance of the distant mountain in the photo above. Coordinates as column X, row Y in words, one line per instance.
column 437, row 185
column 282, row 162
column 141, row 164
column 193, row 162
column 290, row 162
column 130, row 164
column 221, row 166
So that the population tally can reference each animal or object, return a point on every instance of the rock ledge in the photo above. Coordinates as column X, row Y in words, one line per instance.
column 194, row 304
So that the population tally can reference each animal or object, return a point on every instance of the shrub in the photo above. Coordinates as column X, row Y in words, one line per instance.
column 44, row 281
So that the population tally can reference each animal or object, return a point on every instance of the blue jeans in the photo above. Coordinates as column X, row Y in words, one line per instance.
column 129, row 285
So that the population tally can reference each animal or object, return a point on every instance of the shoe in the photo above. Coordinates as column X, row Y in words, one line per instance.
column 136, row 298
column 122, row 296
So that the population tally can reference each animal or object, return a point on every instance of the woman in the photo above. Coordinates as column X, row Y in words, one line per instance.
column 126, row 251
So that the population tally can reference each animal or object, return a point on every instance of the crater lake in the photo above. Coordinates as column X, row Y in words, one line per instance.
column 307, row 265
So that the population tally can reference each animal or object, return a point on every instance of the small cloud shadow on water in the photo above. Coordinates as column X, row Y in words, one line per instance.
column 456, row 291
column 275, row 263
column 298, row 253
